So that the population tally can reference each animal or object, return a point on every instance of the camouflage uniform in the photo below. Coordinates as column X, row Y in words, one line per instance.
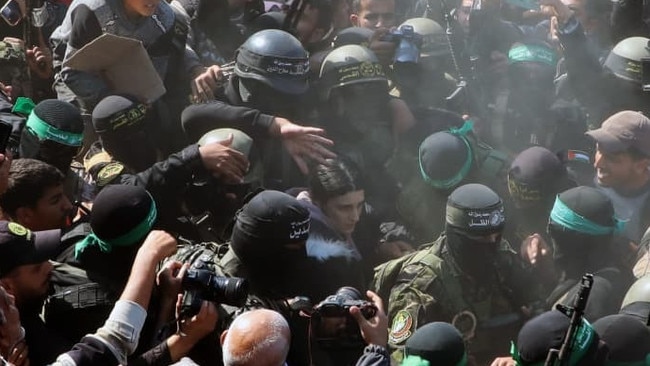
column 422, row 207
column 13, row 66
column 429, row 285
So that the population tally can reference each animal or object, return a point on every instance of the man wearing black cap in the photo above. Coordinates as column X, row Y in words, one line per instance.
column 535, row 177
column 268, row 248
column 468, row 277
column 545, row 332
column 438, row 343
column 25, row 273
column 622, row 165
column 627, row 339
column 445, row 161
column 262, row 99
column 583, row 226
column 54, row 134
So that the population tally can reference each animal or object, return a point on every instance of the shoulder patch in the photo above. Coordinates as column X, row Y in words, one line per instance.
column 400, row 330
column 108, row 173
column 17, row 229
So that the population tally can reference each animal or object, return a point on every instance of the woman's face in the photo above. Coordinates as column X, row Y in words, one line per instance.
column 344, row 211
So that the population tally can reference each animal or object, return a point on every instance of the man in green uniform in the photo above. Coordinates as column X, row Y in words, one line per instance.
column 446, row 160
column 464, row 278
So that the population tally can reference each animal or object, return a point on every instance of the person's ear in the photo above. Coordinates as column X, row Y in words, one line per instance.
column 354, row 19
column 317, row 34
column 642, row 166
column 8, row 286
column 222, row 337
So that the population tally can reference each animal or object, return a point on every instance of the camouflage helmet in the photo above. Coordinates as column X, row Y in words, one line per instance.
column 435, row 41
column 348, row 65
column 13, row 67
column 275, row 58
column 638, row 292
column 240, row 142
column 12, row 53
column 624, row 60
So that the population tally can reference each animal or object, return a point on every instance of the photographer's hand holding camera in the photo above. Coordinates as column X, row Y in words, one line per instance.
column 190, row 329
column 119, row 336
column 375, row 332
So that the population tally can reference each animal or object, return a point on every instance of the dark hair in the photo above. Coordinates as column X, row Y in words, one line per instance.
column 28, row 180
column 325, row 13
column 335, row 178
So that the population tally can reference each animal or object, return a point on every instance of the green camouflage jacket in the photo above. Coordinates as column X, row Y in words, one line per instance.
column 429, row 286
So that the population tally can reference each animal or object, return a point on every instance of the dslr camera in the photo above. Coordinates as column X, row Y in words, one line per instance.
column 408, row 43
column 202, row 283
column 332, row 324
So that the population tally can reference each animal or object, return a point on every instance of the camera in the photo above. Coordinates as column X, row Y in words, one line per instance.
column 202, row 283
column 332, row 324
column 408, row 42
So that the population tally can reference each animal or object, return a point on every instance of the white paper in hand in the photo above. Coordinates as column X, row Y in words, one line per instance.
column 124, row 65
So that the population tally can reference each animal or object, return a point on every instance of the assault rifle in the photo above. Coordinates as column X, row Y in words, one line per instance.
column 467, row 94
column 576, row 312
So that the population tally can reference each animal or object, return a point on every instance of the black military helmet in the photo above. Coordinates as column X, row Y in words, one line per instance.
column 475, row 209
column 275, row 58
column 353, row 35
column 624, row 60
column 348, row 65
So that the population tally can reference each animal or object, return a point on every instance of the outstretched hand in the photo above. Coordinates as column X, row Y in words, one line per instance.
column 303, row 142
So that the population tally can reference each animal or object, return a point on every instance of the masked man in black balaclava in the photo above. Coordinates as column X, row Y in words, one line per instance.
column 268, row 248
column 469, row 277
column 583, row 229
column 54, row 134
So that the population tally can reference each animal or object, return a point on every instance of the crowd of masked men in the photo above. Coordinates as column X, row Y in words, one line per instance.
column 327, row 182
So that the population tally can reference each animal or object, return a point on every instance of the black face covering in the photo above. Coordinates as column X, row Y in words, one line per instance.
column 359, row 120
column 532, row 87
column 577, row 253
column 53, row 153
column 266, row 99
column 474, row 254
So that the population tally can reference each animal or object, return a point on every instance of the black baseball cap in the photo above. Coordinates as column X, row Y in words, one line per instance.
column 20, row 246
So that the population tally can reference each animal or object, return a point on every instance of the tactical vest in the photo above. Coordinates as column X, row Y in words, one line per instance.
column 78, row 303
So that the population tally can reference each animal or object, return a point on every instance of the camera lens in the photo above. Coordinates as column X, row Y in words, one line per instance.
column 230, row 291
column 349, row 293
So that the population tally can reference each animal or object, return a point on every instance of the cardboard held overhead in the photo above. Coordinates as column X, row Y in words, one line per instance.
column 124, row 65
